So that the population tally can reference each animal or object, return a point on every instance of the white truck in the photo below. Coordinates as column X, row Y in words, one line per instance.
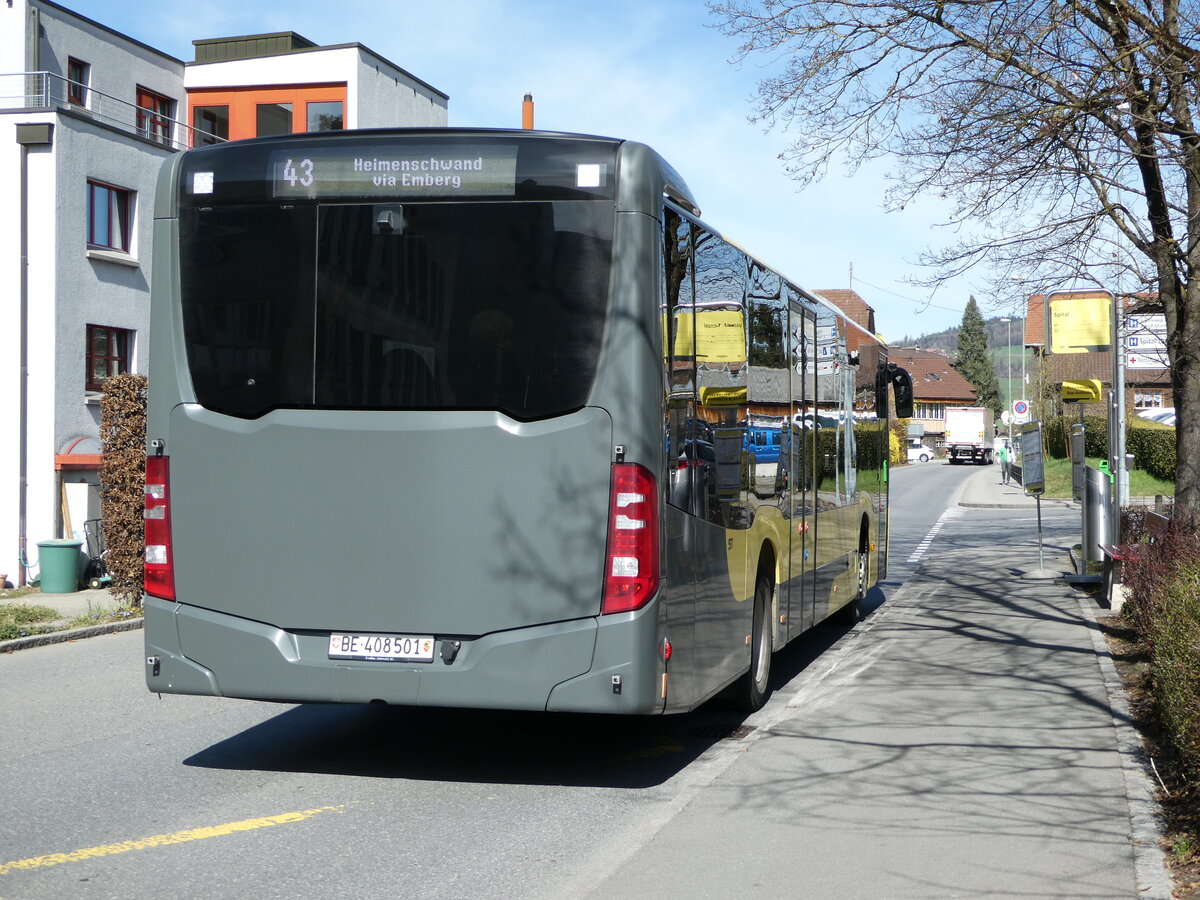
column 969, row 435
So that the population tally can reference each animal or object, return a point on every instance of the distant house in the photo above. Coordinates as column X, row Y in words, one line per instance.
column 1147, row 386
column 936, row 386
column 87, row 117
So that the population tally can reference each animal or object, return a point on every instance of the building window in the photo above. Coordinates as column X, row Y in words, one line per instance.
column 211, row 124
column 77, row 81
column 107, row 354
column 926, row 410
column 108, row 214
column 1148, row 399
column 154, row 115
column 274, row 118
column 325, row 116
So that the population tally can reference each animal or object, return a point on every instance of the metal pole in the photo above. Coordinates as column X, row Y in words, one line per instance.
column 1024, row 319
column 1116, row 447
column 1041, row 551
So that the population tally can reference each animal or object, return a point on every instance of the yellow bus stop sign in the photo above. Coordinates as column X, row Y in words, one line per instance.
column 1087, row 390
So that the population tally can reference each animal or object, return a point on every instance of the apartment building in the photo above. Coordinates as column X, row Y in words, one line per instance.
column 87, row 116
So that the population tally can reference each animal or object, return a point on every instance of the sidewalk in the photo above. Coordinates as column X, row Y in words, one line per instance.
column 984, row 491
column 970, row 739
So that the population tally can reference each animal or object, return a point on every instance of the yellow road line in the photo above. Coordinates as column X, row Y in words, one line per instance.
column 164, row 840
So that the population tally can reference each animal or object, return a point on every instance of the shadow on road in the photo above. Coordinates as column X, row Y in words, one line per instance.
column 488, row 746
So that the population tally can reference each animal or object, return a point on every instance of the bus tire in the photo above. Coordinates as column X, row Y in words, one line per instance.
column 851, row 613
column 755, row 685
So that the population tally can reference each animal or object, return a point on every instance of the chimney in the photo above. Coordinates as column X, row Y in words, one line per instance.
column 527, row 113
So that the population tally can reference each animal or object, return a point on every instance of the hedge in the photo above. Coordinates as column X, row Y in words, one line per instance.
column 1152, row 444
column 122, row 483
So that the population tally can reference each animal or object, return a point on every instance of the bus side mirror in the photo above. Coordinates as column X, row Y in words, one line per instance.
column 902, row 387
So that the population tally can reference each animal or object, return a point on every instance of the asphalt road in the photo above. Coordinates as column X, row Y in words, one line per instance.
column 109, row 791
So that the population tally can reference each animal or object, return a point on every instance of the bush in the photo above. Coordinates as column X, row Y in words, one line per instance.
column 122, row 483
column 898, row 442
column 1164, row 609
column 1152, row 444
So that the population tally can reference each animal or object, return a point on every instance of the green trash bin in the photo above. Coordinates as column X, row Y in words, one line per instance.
column 59, row 563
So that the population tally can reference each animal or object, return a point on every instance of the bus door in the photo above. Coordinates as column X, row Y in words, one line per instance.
column 690, row 462
column 803, row 463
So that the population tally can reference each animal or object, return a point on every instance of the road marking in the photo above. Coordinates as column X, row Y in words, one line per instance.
column 164, row 840
column 928, row 539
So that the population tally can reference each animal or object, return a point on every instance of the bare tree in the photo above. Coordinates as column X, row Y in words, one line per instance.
column 1063, row 133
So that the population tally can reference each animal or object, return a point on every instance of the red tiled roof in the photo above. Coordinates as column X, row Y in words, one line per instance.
column 934, row 378
column 857, row 309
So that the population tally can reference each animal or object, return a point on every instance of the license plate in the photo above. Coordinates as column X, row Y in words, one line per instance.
column 394, row 647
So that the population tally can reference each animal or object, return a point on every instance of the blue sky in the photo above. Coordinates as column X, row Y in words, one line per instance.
column 657, row 72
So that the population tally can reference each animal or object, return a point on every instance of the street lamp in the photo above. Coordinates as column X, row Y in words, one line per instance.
column 1008, row 359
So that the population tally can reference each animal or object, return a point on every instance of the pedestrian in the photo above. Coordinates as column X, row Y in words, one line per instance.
column 1005, row 463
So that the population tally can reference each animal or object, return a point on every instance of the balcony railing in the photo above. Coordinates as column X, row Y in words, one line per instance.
column 45, row 90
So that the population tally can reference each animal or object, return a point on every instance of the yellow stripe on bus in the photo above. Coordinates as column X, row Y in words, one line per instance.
column 163, row 840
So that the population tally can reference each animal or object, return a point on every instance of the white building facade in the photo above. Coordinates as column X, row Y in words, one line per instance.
column 87, row 116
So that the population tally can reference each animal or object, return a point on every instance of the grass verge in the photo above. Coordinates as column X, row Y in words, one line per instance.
column 1141, row 483
column 22, row 616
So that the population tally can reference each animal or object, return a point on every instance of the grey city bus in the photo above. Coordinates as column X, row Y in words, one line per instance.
column 459, row 418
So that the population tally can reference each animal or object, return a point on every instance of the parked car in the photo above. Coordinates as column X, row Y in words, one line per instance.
column 918, row 452
column 1165, row 416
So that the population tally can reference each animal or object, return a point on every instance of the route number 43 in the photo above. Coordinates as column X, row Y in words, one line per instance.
column 303, row 176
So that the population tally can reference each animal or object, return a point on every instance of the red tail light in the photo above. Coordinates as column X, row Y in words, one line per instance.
column 631, row 562
column 160, row 561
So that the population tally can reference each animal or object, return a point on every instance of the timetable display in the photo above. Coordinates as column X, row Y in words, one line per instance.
column 424, row 170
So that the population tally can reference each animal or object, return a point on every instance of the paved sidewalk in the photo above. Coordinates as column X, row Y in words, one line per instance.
column 970, row 739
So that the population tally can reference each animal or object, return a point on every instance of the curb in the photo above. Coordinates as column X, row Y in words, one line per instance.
column 1145, row 815
column 1053, row 501
column 70, row 634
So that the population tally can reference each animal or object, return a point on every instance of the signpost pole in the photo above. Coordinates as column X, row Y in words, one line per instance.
column 1116, row 447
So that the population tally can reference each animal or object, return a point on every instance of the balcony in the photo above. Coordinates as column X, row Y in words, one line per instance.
column 27, row 91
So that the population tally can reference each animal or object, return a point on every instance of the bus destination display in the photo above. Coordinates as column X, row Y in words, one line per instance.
column 426, row 170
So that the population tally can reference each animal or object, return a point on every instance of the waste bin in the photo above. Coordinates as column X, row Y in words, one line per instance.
column 1097, row 513
column 59, row 562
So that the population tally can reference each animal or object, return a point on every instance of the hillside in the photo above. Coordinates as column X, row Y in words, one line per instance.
column 1006, row 358
column 999, row 333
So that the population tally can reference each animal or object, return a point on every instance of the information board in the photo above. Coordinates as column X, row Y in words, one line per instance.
column 1146, row 341
column 1033, row 471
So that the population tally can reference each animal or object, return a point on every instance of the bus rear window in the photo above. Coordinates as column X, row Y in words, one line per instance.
column 388, row 306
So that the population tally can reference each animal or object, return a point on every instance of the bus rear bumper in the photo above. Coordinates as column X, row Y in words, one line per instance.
column 190, row 650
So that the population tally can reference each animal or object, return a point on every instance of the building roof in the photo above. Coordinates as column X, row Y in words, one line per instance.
column 856, row 309
column 934, row 376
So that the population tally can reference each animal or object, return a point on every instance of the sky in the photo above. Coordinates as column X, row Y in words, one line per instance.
column 655, row 71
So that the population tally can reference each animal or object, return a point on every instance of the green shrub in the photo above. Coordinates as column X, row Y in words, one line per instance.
column 1164, row 609
column 1153, row 446
column 122, row 483
column 898, row 442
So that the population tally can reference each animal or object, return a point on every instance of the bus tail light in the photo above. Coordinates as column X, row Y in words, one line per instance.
column 631, row 561
column 160, row 561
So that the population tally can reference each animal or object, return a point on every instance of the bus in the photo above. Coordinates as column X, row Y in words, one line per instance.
column 459, row 418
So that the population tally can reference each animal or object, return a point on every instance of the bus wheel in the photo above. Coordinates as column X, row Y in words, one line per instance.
column 851, row 613
column 754, row 693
